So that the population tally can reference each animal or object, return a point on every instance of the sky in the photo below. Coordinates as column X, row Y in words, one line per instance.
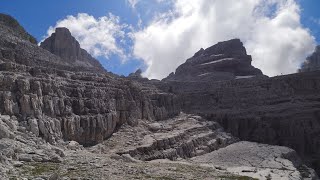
column 159, row 35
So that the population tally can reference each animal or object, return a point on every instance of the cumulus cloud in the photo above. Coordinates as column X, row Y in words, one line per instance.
column 100, row 37
column 270, row 29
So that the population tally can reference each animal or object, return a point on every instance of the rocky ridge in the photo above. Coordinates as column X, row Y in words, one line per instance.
column 63, row 121
column 281, row 110
column 224, row 61
column 16, row 28
column 64, row 45
column 63, row 102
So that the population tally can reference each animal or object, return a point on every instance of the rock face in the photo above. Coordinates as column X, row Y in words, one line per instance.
column 16, row 28
column 71, row 97
column 281, row 110
column 64, row 45
column 185, row 136
column 224, row 61
column 258, row 161
column 67, row 96
column 313, row 62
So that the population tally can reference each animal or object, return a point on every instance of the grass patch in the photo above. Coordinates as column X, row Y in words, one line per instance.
column 37, row 169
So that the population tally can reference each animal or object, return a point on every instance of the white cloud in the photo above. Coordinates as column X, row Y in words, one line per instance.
column 270, row 29
column 100, row 37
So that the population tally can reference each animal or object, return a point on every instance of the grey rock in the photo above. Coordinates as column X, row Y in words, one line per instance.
column 155, row 126
column 64, row 45
column 258, row 160
column 13, row 24
column 33, row 124
column 312, row 63
column 25, row 157
column 73, row 145
column 224, row 61
column 5, row 131
column 17, row 164
column 66, row 93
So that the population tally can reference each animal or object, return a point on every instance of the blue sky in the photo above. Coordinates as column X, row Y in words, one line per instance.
column 38, row 15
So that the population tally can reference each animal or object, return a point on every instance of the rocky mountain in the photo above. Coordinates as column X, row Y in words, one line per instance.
column 15, row 28
column 224, row 61
column 66, row 103
column 282, row 110
column 62, row 116
column 313, row 62
column 64, row 45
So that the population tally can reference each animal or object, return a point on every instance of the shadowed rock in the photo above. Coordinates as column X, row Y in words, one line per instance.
column 313, row 62
column 64, row 45
column 224, row 61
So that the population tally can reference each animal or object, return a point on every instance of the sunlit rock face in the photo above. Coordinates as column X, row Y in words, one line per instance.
column 58, row 93
column 224, row 61
column 66, row 94
column 282, row 110
column 313, row 62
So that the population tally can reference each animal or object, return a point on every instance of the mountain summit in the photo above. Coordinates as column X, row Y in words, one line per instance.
column 224, row 61
column 64, row 45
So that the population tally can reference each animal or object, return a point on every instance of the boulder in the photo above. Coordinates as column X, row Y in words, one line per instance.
column 33, row 126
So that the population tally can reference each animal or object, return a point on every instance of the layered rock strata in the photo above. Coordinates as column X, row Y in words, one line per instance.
column 282, row 110
column 183, row 137
column 61, row 93
column 64, row 45
column 224, row 61
column 61, row 101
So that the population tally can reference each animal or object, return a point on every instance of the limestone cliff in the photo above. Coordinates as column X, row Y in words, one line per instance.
column 224, row 61
column 282, row 110
column 71, row 97
column 64, row 45
column 58, row 93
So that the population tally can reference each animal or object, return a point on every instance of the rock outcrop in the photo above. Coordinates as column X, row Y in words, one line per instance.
column 64, row 45
column 281, row 110
column 185, row 136
column 224, row 61
column 16, row 28
column 70, row 96
column 313, row 62
column 58, row 103
column 259, row 161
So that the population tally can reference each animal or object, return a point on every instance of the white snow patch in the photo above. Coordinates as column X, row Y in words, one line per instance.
column 212, row 62
column 244, row 77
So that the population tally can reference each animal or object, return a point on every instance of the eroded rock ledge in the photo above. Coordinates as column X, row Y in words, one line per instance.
column 65, row 97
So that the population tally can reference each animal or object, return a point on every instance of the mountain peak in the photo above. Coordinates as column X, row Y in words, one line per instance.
column 64, row 45
column 223, row 61
column 233, row 46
